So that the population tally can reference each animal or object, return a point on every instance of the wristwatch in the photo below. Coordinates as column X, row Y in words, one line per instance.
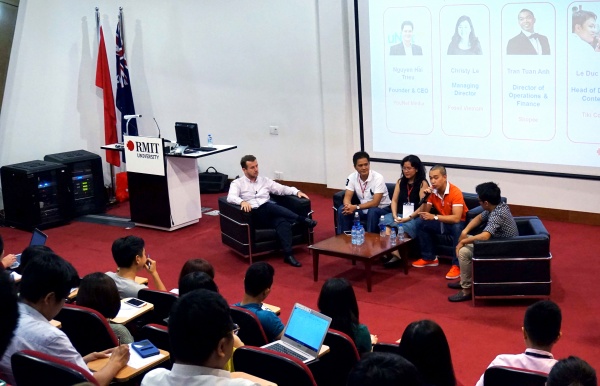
column 357, row 207
column 436, row 218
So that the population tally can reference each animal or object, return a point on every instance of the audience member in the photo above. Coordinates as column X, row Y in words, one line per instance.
column 201, row 335
column 450, row 205
column 46, row 283
column 257, row 286
column 253, row 193
column 572, row 371
column 196, row 280
column 30, row 253
column 8, row 260
column 195, row 265
column 541, row 330
column 425, row 345
column 10, row 311
column 338, row 301
column 130, row 255
column 370, row 189
column 499, row 223
column 99, row 292
column 384, row 369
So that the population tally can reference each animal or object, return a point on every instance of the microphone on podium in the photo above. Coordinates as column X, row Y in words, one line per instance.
column 132, row 116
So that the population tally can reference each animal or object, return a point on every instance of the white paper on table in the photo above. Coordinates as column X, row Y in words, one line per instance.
column 408, row 209
column 126, row 311
column 136, row 361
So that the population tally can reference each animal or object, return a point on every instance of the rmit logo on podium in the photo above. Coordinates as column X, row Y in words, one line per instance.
column 144, row 155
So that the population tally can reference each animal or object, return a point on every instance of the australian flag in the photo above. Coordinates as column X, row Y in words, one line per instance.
column 124, row 100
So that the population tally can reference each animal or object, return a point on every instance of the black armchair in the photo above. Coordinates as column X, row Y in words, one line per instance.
column 338, row 200
column 516, row 266
column 240, row 234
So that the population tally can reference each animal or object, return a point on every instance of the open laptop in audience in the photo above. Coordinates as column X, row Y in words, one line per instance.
column 37, row 238
column 303, row 335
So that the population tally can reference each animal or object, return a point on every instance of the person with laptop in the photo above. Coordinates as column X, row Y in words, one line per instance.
column 541, row 330
column 47, row 281
column 369, row 186
column 202, row 336
column 130, row 255
column 252, row 192
column 8, row 260
column 257, row 287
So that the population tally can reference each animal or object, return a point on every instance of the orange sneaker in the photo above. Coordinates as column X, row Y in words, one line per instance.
column 454, row 273
column 426, row 263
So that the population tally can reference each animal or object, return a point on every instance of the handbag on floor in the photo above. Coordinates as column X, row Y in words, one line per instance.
column 213, row 181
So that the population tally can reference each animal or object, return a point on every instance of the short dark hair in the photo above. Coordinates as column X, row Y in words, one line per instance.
column 197, row 322
column 10, row 310
column 580, row 16
column 99, row 292
column 247, row 158
column 525, row 10
column 542, row 322
column 490, row 192
column 259, row 277
column 48, row 273
column 407, row 22
column 197, row 265
column 125, row 249
column 383, row 369
column 572, row 371
column 360, row 155
column 30, row 253
column 439, row 167
column 425, row 345
column 196, row 280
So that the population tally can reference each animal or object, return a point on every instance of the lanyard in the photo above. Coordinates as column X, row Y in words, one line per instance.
column 536, row 355
column 410, row 188
column 362, row 188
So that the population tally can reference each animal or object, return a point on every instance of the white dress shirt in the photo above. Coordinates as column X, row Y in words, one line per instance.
column 256, row 192
column 190, row 375
column 540, row 361
column 34, row 332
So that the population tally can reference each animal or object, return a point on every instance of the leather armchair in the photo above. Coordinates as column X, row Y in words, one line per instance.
column 516, row 266
column 239, row 232
column 338, row 200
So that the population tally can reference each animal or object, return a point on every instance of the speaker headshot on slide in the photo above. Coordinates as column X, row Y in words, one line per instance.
column 528, row 42
column 584, row 31
column 406, row 47
column 464, row 41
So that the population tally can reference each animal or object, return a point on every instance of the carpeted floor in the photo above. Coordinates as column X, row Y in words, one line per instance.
column 476, row 334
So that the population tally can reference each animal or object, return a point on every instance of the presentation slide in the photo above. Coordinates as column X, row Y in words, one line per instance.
column 488, row 84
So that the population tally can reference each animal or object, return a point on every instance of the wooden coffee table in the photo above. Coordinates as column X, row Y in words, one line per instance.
column 370, row 251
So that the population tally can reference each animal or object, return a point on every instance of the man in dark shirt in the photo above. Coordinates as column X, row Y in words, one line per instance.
column 500, row 223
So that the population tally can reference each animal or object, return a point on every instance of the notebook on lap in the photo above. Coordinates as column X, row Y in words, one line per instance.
column 303, row 335
column 37, row 238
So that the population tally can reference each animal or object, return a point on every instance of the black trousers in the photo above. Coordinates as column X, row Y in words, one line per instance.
column 271, row 215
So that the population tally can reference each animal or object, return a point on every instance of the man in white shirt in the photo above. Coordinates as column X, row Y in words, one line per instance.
column 541, row 330
column 253, row 192
column 47, row 280
column 201, row 333
column 369, row 187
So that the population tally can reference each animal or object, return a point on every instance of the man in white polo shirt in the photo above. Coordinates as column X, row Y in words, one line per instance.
column 372, row 192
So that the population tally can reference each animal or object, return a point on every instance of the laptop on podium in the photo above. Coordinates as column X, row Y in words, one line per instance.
column 303, row 335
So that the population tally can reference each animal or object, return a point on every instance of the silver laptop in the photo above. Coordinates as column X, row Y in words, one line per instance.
column 303, row 335
column 37, row 238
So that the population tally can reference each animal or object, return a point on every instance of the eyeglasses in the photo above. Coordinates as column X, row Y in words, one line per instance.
column 407, row 168
column 236, row 329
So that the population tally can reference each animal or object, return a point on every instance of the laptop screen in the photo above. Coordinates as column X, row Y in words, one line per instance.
column 38, row 238
column 307, row 327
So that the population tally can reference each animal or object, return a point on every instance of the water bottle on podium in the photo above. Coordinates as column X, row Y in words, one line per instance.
column 209, row 141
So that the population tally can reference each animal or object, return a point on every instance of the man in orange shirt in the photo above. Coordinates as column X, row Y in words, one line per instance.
column 450, row 205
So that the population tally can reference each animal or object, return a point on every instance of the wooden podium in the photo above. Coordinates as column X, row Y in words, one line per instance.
column 169, row 198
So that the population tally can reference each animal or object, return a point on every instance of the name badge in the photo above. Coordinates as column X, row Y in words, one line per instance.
column 408, row 209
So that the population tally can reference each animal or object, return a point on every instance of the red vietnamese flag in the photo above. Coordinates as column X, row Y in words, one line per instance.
column 110, row 117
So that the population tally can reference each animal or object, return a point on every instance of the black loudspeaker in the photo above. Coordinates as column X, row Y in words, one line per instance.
column 36, row 194
column 87, row 181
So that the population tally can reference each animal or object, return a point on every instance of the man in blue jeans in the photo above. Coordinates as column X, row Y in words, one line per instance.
column 369, row 186
column 450, row 205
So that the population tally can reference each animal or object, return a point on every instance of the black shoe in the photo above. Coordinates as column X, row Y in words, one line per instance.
column 292, row 261
column 393, row 263
column 455, row 285
column 460, row 296
column 387, row 258
column 310, row 222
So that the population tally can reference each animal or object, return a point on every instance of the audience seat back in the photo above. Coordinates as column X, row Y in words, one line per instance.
column 332, row 369
column 504, row 376
column 163, row 302
column 33, row 368
column 251, row 331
